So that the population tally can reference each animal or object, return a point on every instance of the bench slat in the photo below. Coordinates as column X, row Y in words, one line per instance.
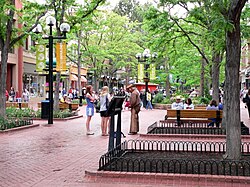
column 196, row 113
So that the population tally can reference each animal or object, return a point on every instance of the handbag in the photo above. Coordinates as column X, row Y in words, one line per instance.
column 245, row 99
column 107, row 102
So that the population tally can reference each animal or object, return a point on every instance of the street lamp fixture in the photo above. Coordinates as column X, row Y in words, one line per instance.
column 143, row 57
column 64, row 28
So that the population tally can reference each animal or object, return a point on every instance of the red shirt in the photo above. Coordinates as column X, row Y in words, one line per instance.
column 6, row 93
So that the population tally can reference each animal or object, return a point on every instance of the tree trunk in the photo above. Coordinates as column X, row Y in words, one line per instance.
column 232, row 86
column 167, row 78
column 3, row 66
column 79, row 67
column 202, row 77
column 5, row 46
column 56, row 93
column 216, row 60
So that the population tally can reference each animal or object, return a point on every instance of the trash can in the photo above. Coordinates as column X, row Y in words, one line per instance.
column 45, row 109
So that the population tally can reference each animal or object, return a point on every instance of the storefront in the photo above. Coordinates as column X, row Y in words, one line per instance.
column 32, row 81
column 73, row 77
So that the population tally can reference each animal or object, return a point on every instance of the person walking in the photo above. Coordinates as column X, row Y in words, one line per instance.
column 246, row 100
column 12, row 94
column 135, row 109
column 6, row 95
column 104, row 102
column 90, row 108
column 149, row 104
column 26, row 95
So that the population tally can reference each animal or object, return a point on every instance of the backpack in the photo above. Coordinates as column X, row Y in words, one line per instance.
column 246, row 99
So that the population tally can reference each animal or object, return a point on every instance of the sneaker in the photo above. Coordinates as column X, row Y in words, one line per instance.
column 90, row 133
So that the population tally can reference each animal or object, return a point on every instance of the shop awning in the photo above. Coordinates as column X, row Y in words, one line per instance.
column 83, row 79
column 75, row 78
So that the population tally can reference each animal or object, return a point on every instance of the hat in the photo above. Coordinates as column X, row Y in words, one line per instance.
column 178, row 97
column 130, row 86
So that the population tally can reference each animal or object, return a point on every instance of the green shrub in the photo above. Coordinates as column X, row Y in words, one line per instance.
column 204, row 100
column 166, row 101
column 158, row 98
column 19, row 113
column 75, row 101
column 38, row 113
column 62, row 114
column 8, row 123
column 84, row 102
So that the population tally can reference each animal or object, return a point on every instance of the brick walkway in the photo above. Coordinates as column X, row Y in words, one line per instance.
column 60, row 154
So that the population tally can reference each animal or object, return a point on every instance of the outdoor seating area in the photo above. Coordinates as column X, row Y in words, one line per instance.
column 63, row 106
column 195, row 114
column 17, row 104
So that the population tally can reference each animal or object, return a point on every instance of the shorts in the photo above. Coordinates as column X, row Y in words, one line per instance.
column 90, row 111
column 104, row 113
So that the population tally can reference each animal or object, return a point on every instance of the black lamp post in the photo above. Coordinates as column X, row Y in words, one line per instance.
column 144, row 58
column 64, row 28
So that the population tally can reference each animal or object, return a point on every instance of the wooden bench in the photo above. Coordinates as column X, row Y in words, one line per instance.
column 200, row 107
column 63, row 106
column 70, row 106
column 17, row 104
column 196, row 113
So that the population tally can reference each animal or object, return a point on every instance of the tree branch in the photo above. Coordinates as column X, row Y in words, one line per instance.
column 72, row 60
column 88, row 12
column 190, row 40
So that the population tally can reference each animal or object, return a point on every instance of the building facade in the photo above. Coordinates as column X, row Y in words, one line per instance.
column 245, row 65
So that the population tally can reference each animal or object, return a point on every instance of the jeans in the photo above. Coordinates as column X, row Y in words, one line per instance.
column 149, row 105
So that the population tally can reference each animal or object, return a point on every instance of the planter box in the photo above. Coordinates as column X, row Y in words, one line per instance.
column 161, row 106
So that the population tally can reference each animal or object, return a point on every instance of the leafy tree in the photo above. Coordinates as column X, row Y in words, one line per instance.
column 129, row 8
column 107, row 43
column 29, row 16
column 232, row 13
column 11, row 36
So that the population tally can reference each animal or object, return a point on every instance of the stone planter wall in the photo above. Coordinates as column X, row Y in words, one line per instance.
column 161, row 106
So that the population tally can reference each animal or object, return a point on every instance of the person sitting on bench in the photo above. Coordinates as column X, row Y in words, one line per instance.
column 178, row 105
column 212, row 106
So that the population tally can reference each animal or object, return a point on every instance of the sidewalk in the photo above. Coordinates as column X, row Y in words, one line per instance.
column 59, row 155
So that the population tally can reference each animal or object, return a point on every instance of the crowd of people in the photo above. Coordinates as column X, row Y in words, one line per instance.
column 132, row 101
column 15, row 96
column 188, row 105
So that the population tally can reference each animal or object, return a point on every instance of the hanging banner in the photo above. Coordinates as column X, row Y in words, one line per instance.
column 140, row 72
column 40, row 57
column 152, row 72
column 61, row 56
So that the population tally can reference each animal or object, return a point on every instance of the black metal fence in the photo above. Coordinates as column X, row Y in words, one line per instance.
column 175, row 157
column 166, row 127
column 14, row 122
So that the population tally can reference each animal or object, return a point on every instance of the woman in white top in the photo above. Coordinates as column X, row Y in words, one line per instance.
column 104, row 101
column 188, row 104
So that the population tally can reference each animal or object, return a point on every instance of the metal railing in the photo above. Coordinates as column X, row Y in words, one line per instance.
column 175, row 157
column 189, row 127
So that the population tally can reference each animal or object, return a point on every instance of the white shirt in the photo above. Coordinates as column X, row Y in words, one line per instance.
column 186, row 106
column 177, row 106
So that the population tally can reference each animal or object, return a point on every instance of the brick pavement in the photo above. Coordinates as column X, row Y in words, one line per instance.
column 59, row 155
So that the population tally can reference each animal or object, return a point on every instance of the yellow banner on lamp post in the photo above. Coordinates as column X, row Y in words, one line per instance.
column 140, row 72
column 61, row 56
column 40, row 57
column 152, row 72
